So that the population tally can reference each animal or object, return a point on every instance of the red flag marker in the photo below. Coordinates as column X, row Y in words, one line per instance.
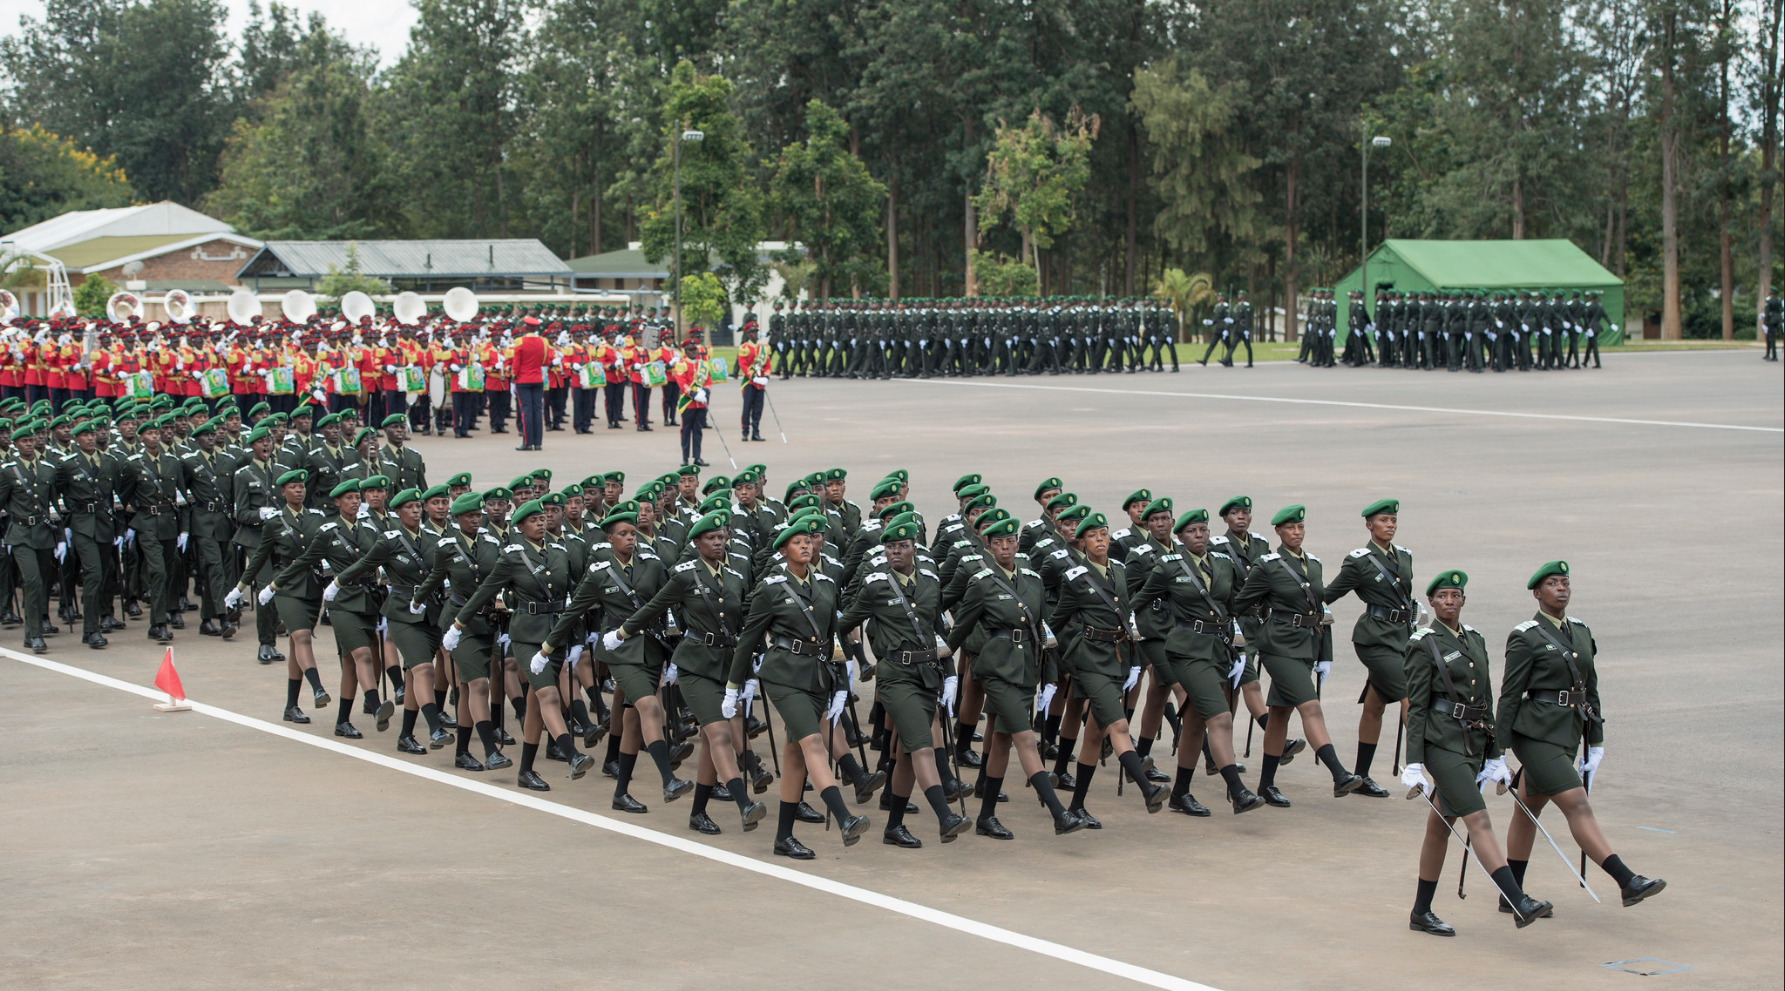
column 168, row 680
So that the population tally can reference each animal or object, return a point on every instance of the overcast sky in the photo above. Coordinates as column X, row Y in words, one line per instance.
column 382, row 24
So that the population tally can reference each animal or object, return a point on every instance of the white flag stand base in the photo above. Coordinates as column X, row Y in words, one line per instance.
column 173, row 705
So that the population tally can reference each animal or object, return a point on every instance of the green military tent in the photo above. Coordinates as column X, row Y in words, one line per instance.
column 1491, row 266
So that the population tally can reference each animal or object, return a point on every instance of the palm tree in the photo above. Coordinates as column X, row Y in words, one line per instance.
column 1186, row 292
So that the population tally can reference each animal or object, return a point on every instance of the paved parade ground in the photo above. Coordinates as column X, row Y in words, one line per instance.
column 223, row 848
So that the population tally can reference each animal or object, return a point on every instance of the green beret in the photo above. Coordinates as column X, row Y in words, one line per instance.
column 360, row 437
column 163, row 422
column 258, row 433
column 1290, row 514
column 531, row 507
column 553, row 499
column 350, row 485
column 714, row 484
column 1391, row 506
column 1448, row 579
column 1138, row 495
column 302, row 410
column 520, row 481
column 745, row 477
column 1006, row 527
column 294, row 475
column 617, row 518
column 835, row 475
column 617, row 477
column 1237, row 502
column 88, row 426
column 128, row 413
column 410, row 494
column 470, row 502
column 328, row 421
column 814, row 480
column 462, row 478
column 1071, row 513
column 1049, row 483
column 964, row 481
column 1190, row 516
column 899, row 531
column 758, row 467
column 435, row 492
column 1552, row 568
column 885, row 487
column 687, row 470
column 498, row 493
column 795, row 527
column 375, row 482
column 1064, row 500
column 708, row 523
column 25, row 426
column 1161, row 505
column 969, row 491
column 394, row 420
column 539, row 473
column 595, row 481
column 43, row 405
column 259, row 409
column 984, row 500
column 717, row 502
column 572, row 491
column 895, row 509
column 993, row 515
column 162, row 401
column 208, row 427
column 1089, row 523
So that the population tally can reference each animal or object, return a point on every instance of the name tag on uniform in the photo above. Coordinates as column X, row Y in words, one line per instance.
column 1453, row 655
column 1001, row 595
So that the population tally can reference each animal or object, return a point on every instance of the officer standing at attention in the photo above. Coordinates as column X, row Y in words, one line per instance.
column 27, row 486
column 1772, row 322
column 1549, row 703
column 1288, row 582
column 87, row 483
column 1381, row 573
column 1450, row 741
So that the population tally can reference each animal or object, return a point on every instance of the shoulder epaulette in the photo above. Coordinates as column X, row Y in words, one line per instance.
column 821, row 576
column 1218, row 540
column 1360, row 552
column 1119, row 534
column 511, row 547
column 1576, row 622
column 981, row 573
column 331, row 526
column 604, row 545
column 1269, row 557
column 928, row 572
column 1059, row 555
column 1220, row 555
column 1026, row 571
column 318, row 512
column 598, row 566
column 391, row 534
column 774, row 579
column 645, row 552
column 685, row 566
column 1171, row 557
column 1526, row 625
column 1311, row 557
column 874, row 576
column 1422, row 631
column 734, row 574
column 1075, row 571
column 491, row 540
column 559, row 546
column 1144, row 549
column 134, row 457
column 1468, row 629
column 878, row 561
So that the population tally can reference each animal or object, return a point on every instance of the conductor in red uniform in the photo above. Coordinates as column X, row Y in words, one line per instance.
column 529, row 383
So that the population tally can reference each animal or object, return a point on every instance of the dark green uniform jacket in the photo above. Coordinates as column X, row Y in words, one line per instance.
column 608, row 594
column 710, row 610
column 1385, row 585
column 212, row 513
column 26, row 490
column 994, row 614
column 406, row 568
column 282, row 540
column 1466, row 660
column 902, row 616
column 1196, row 631
column 1094, row 633
column 459, row 566
column 538, row 576
column 336, row 546
column 87, row 490
column 775, row 612
column 1290, row 589
column 1534, row 664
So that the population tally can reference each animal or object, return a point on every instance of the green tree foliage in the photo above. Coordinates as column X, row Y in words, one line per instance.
column 1032, row 173
column 339, row 281
column 829, row 203
column 90, row 296
column 44, row 176
column 1003, row 277
column 703, row 299
column 1185, row 293
column 1201, row 172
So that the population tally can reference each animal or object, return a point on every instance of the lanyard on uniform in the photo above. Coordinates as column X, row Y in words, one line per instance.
column 537, row 572
column 910, row 613
column 1215, row 607
column 1450, row 688
column 1027, row 619
column 794, row 597
column 1307, row 587
column 706, row 594
column 407, row 544
column 1392, row 577
column 1568, row 656
column 620, row 582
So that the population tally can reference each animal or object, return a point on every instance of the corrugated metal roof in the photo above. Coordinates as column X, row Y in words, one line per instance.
column 626, row 263
column 409, row 259
column 1542, row 262
column 161, row 218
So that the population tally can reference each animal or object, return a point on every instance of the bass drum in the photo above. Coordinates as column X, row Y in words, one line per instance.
column 437, row 386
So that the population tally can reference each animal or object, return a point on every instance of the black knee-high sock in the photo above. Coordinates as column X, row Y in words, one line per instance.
column 1145, row 746
column 1231, row 774
column 1181, row 785
column 613, row 746
column 566, row 746
column 529, row 751
column 659, row 751
column 579, row 712
column 1366, row 754
column 372, row 698
column 623, row 780
column 784, row 825
column 833, row 800
column 1045, row 790
column 852, row 770
column 395, row 674
column 462, row 741
column 1268, row 776
column 1330, row 757
column 963, row 736
column 1263, row 720
column 1509, row 886
column 1422, row 898
column 1137, row 772
column 291, row 691
column 1065, row 756
column 1083, row 772
column 939, row 804
column 519, row 702
column 739, row 793
column 409, row 721
column 1050, row 728
column 1518, row 869
column 988, row 805
column 895, row 816
column 1619, row 873
column 942, row 768
column 439, row 698
column 486, row 731
column 345, row 711
column 431, row 713
column 314, row 678
column 701, row 794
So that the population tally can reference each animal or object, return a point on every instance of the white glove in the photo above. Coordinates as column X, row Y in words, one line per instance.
column 700, row 395
column 537, row 664
column 62, row 551
column 265, row 596
column 1046, row 698
column 1494, row 770
column 849, row 665
column 451, row 640
column 118, row 542
column 611, row 640
column 383, row 627
column 417, row 608
column 575, row 655
column 1133, row 678
column 760, row 380
column 1591, row 764
column 1414, row 776
column 1321, row 670
column 729, row 706
column 949, row 684
column 329, row 593
column 268, row 512
column 837, row 702
column 503, row 641
column 180, row 498
column 233, row 599
column 669, row 674
column 1238, row 671
column 179, row 542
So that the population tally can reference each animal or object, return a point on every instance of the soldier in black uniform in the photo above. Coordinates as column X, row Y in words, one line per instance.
column 285, row 533
column 150, row 485
column 27, row 490
column 87, row 483
column 204, row 474
column 256, row 500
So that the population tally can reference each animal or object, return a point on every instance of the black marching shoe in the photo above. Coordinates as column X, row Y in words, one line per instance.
column 953, row 789
column 466, row 762
column 1641, row 887
column 900, row 836
column 531, row 781
column 209, row 628
column 1072, row 822
column 792, row 849
column 440, row 738
column 1530, row 910
column 579, row 765
column 752, row 815
column 968, row 757
column 1370, row 789
column 176, row 620
column 626, row 803
column 37, row 644
column 1506, row 908
column 1290, row 749
column 676, row 789
column 1065, row 782
column 322, row 698
column 1273, row 797
column 700, row 822
column 228, row 632
column 348, row 731
column 1158, row 777
column 1085, row 816
column 760, row 779
column 1156, row 798
column 852, row 829
column 1347, row 784
column 990, row 826
column 160, row 634
column 410, row 745
column 293, row 714
column 954, row 826
column 1187, row 804
column 385, row 710
column 806, row 813
column 267, row 654
column 1427, row 922
column 496, row 761
column 868, row 786
column 720, row 792
column 503, row 738
column 95, row 640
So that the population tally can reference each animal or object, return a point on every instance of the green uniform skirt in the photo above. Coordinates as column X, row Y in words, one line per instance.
column 295, row 613
column 1203, row 682
column 704, row 696
column 800, row 710
column 911, row 706
column 1387, row 669
column 1102, row 694
column 1548, row 769
column 1150, row 653
column 353, row 631
column 1454, row 774
column 1292, row 681
column 638, row 681
column 472, row 657
column 1011, row 705
column 548, row 678
column 416, row 642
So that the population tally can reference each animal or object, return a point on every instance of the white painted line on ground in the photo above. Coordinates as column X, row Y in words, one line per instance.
column 1337, row 402
column 924, row 913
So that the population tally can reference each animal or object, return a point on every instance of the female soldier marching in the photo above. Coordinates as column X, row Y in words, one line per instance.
column 461, row 560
